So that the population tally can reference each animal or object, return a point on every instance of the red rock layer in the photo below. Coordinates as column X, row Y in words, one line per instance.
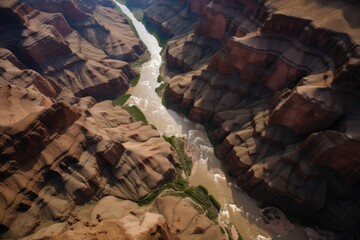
column 279, row 103
column 219, row 21
column 169, row 18
column 47, row 44
column 70, row 167
column 101, row 26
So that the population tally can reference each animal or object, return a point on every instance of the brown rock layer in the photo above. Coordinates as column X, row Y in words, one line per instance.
column 72, row 168
column 279, row 101
column 54, row 155
column 48, row 44
column 170, row 17
column 111, row 218
column 98, row 24
column 219, row 21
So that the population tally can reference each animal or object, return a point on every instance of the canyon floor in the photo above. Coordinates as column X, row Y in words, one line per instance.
column 74, row 165
column 275, row 84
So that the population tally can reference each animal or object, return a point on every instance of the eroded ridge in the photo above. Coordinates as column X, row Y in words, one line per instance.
column 278, row 100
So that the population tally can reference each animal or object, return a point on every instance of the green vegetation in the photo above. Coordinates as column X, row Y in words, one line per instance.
column 136, row 113
column 202, row 198
column 133, row 110
column 138, row 13
column 135, row 80
column 178, row 184
column 127, row 18
column 161, row 37
column 203, row 189
column 203, row 201
column 228, row 232
column 121, row 100
column 178, row 145
column 180, row 187
column 215, row 202
column 142, row 59
column 160, row 90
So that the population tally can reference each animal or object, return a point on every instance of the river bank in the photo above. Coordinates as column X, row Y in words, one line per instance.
column 208, row 171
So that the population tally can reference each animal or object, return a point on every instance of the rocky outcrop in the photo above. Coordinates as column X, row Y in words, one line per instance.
column 278, row 100
column 54, row 156
column 71, row 167
column 98, row 24
column 112, row 218
column 219, row 21
column 169, row 17
column 185, row 219
column 46, row 43
column 69, row 171
column 14, row 72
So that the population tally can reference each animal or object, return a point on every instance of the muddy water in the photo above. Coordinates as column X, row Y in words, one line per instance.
column 208, row 171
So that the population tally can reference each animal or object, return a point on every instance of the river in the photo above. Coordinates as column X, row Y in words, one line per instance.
column 208, row 171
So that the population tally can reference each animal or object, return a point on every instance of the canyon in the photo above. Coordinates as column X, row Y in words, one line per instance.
column 275, row 83
column 72, row 164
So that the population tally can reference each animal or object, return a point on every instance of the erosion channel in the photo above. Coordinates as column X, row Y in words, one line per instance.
column 208, row 171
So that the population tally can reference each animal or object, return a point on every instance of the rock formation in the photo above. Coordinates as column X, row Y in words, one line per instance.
column 72, row 167
column 276, row 83
column 47, row 43
column 55, row 155
column 112, row 218
column 66, row 170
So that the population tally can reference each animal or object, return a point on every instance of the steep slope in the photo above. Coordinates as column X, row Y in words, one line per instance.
column 279, row 100
column 54, row 155
column 47, row 44
column 99, row 24
column 219, row 21
column 69, row 171
column 71, row 167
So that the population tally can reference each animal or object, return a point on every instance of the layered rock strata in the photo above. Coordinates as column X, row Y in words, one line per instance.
column 99, row 24
column 71, row 167
column 278, row 101
column 169, row 218
column 54, row 155
column 170, row 17
column 219, row 21
column 69, row 171
column 47, row 43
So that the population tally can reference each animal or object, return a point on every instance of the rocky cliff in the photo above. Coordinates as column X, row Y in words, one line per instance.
column 276, row 83
column 55, row 155
column 72, row 167
column 85, row 62
column 65, row 168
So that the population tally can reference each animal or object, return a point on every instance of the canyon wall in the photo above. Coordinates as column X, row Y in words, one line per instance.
column 56, row 157
column 85, row 62
column 276, row 84
column 72, row 167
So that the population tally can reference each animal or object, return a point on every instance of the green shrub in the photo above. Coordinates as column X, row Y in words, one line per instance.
column 178, row 144
column 136, row 113
column 121, row 100
column 135, row 80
